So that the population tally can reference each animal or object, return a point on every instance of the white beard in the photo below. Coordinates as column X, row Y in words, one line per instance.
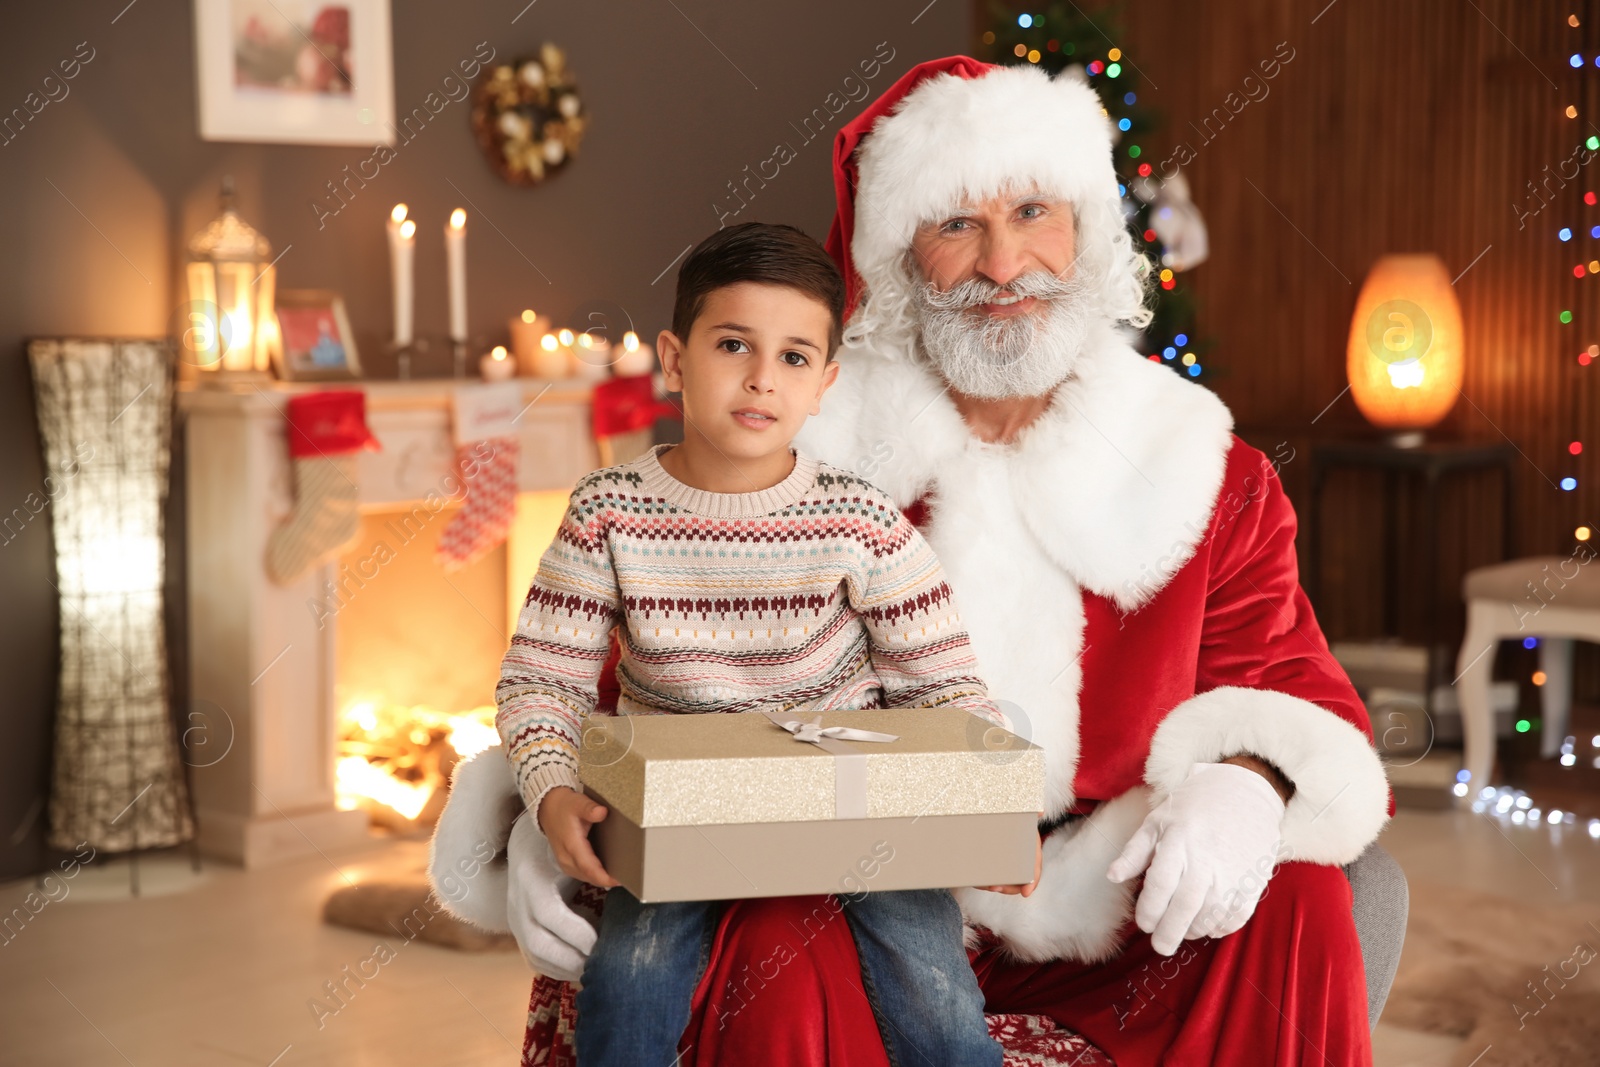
column 991, row 358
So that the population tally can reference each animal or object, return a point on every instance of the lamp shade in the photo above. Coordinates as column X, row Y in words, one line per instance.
column 1404, row 357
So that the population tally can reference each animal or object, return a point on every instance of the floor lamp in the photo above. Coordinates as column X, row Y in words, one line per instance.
column 105, row 419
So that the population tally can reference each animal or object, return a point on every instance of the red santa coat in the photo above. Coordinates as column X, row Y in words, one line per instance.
column 1127, row 572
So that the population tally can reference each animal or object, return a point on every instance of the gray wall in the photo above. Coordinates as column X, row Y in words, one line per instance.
column 100, row 191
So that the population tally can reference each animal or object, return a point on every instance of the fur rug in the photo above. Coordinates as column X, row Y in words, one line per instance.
column 408, row 910
column 1519, row 984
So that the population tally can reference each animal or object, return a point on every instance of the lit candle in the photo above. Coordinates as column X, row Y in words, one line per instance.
column 402, row 234
column 635, row 358
column 526, row 329
column 552, row 359
column 455, row 254
column 496, row 366
column 591, row 357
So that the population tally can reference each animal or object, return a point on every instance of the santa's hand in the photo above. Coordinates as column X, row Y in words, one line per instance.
column 1209, row 847
column 554, row 939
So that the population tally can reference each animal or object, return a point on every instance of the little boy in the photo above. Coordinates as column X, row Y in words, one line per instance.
column 744, row 576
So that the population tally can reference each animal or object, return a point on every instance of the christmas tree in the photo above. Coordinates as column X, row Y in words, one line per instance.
column 1067, row 42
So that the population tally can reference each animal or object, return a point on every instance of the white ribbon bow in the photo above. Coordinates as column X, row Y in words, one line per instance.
column 849, row 768
column 815, row 733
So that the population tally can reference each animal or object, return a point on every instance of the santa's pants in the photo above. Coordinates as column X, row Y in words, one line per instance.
column 1288, row 989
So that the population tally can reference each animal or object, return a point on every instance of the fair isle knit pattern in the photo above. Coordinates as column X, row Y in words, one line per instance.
column 814, row 594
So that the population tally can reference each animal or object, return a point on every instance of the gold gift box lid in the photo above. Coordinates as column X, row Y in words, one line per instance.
column 699, row 770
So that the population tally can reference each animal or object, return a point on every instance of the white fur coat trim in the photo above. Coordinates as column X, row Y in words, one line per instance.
column 1076, row 912
column 955, row 137
column 476, row 823
column 1116, row 481
column 1341, row 795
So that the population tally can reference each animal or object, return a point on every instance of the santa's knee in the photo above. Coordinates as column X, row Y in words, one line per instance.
column 1308, row 904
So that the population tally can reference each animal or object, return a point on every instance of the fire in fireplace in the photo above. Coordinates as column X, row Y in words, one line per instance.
column 394, row 762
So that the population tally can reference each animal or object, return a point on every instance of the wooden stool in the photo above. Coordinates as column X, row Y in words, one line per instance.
column 1553, row 598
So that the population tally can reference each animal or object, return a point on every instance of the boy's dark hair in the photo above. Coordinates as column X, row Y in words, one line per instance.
column 762, row 252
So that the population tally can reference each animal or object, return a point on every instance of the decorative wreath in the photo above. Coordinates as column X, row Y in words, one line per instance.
column 528, row 117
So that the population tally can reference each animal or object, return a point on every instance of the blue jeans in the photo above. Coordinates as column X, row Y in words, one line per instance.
column 641, row 976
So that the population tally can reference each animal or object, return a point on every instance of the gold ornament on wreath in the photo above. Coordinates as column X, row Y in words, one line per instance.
column 528, row 116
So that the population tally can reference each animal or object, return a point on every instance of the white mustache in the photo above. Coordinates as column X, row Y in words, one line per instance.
column 975, row 292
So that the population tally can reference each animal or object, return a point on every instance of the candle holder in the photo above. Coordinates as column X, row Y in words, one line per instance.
column 405, row 354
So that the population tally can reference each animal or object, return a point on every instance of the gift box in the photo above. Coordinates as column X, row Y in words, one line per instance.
column 722, row 807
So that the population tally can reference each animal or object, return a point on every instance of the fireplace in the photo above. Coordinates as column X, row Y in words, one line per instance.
column 393, row 666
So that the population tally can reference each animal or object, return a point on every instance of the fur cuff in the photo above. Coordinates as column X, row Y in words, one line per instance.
column 1075, row 913
column 466, row 859
column 1341, row 796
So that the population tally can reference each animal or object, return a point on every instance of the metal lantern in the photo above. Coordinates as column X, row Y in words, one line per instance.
column 232, row 328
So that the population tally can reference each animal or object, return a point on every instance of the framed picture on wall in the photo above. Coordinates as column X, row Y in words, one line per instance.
column 317, row 344
column 295, row 71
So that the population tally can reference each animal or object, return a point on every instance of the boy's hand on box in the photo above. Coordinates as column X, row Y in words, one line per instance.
column 565, row 816
column 1023, row 890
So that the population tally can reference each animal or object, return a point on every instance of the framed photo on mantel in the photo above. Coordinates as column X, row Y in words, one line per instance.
column 317, row 344
column 295, row 71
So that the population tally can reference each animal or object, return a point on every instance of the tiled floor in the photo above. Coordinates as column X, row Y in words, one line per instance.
column 223, row 969
column 225, row 972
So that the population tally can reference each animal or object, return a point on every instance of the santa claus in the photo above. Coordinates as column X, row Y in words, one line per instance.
column 1126, row 568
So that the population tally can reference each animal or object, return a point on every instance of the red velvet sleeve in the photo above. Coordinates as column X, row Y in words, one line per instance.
column 1259, row 629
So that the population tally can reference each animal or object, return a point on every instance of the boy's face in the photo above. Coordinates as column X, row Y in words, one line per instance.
column 752, row 368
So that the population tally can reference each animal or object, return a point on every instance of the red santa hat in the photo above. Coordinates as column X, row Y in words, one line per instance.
column 952, row 129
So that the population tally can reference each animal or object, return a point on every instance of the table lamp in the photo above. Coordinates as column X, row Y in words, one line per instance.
column 1404, row 358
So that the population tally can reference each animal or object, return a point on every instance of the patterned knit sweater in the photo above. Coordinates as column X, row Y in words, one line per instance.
column 817, row 593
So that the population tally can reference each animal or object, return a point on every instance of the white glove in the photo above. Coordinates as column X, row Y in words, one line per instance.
column 555, row 940
column 1210, row 847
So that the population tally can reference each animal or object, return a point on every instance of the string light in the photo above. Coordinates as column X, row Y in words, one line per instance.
column 1033, row 55
column 1566, row 317
column 1569, row 483
column 1539, row 677
column 1583, row 533
column 1114, row 55
column 1576, row 448
column 1589, row 198
column 1565, row 233
column 1572, row 112
column 1530, row 642
column 1572, row 20
column 1024, row 21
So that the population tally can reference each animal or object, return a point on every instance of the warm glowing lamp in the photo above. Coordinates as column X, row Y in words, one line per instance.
column 1404, row 357
column 232, row 327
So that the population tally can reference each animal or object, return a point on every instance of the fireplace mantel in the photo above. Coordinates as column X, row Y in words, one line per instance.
column 261, row 664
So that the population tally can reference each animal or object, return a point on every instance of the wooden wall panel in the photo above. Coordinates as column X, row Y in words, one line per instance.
column 1395, row 127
